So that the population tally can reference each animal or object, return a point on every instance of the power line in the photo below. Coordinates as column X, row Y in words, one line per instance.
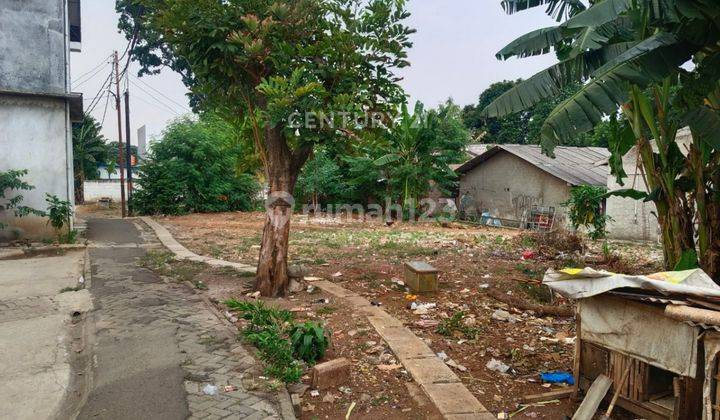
column 153, row 104
column 154, row 97
column 103, row 61
column 107, row 101
column 162, row 94
column 79, row 83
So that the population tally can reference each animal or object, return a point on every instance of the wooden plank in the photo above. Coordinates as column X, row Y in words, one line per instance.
column 644, row 410
column 593, row 398
column 551, row 395
column 578, row 353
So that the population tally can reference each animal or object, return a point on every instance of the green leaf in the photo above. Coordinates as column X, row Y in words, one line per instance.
column 688, row 260
column 387, row 159
column 650, row 60
column 705, row 125
column 627, row 193
column 549, row 82
column 533, row 43
column 555, row 8
column 600, row 13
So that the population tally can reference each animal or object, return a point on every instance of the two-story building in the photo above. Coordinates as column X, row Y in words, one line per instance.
column 37, row 107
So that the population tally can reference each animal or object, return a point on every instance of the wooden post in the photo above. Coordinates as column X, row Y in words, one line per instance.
column 120, row 136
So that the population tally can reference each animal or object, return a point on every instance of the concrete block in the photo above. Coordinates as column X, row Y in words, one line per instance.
column 330, row 374
column 421, row 277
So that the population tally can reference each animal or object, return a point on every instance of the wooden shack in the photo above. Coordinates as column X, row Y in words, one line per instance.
column 662, row 331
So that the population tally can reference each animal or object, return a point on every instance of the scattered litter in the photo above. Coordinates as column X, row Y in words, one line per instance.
column 329, row 398
column 484, row 286
column 389, row 368
column 486, row 276
column 500, row 315
column 338, row 274
column 210, row 389
column 427, row 323
column 454, row 364
column 321, row 301
column 410, row 298
column 345, row 390
column 528, row 255
column 503, row 415
column 230, row 388
column 497, row 366
column 558, row 378
column 465, row 290
column 443, row 356
column 422, row 306
column 375, row 303
column 314, row 393
column 350, row 409
column 312, row 279
column 254, row 295
column 81, row 280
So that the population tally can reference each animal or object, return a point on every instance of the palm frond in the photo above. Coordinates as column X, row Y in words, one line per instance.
column 650, row 60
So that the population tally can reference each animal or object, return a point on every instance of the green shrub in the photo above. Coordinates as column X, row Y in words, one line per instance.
column 193, row 168
column 309, row 342
column 585, row 208
column 60, row 213
column 449, row 326
column 11, row 181
column 272, row 331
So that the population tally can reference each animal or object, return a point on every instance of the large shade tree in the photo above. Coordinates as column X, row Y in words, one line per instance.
column 272, row 62
column 658, row 63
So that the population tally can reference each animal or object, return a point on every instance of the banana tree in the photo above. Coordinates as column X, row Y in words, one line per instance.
column 418, row 149
column 631, row 56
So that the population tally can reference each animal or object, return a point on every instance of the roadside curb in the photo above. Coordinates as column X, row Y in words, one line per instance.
column 182, row 253
column 283, row 397
column 438, row 381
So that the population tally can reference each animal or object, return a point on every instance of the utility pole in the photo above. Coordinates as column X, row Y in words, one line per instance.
column 120, row 142
column 128, row 151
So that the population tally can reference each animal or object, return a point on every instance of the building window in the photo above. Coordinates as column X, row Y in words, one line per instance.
column 74, row 18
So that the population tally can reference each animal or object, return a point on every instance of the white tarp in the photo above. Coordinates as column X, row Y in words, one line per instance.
column 640, row 331
column 578, row 283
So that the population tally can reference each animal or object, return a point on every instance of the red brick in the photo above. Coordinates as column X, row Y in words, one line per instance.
column 330, row 374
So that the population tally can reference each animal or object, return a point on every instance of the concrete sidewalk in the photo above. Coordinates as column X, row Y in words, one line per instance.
column 39, row 335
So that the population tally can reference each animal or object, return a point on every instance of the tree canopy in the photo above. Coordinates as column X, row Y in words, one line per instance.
column 275, row 63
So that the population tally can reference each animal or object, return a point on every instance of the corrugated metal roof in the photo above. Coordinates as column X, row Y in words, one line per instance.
column 574, row 165
column 478, row 148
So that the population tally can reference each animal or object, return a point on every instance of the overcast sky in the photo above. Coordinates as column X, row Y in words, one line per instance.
column 453, row 56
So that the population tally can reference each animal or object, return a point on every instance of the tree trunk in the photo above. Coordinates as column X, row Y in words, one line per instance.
column 79, row 188
column 283, row 169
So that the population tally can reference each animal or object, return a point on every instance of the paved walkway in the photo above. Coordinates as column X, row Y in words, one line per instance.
column 38, row 336
column 157, row 344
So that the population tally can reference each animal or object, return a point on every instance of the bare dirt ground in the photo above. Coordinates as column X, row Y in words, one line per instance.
column 468, row 319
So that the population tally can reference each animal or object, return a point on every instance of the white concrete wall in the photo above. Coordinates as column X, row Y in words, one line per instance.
column 635, row 219
column 631, row 219
column 507, row 186
column 33, row 136
column 95, row 190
